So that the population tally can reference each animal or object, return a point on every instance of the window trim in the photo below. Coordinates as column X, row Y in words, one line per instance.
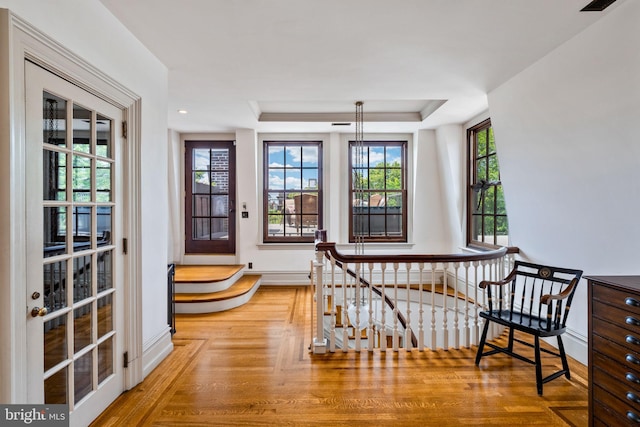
column 272, row 140
column 474, row 130
column 404, row 145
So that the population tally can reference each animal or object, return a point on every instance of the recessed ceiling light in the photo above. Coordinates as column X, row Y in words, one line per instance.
column 182, row 111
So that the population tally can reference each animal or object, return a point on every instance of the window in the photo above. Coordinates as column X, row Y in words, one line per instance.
column 378, row 195
column 487, row 215
column 292, row 191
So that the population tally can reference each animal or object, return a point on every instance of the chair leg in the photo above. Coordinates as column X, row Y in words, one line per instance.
column 538, row 366
column 563, row 356
column 482, row 339
column 510, row 345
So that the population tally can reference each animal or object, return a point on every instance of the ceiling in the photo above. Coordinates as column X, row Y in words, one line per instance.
column 300, row 65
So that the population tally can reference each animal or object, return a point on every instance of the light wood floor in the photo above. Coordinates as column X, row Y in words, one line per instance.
column 251, row 366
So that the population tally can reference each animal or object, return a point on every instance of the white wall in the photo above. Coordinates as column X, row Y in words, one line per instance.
column 567, row 139
column 91, row 32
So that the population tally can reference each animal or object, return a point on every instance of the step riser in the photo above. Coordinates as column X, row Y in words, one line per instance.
column 216, row 306
column 203, row 288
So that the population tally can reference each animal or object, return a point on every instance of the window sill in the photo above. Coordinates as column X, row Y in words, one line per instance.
column 340, row 246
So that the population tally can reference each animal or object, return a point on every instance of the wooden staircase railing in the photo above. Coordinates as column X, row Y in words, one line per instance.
column 397, row 295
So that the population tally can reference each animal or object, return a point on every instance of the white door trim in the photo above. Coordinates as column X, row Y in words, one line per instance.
column 19, row 41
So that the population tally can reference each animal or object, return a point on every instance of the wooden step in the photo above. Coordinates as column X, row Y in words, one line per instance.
column 237, row 294
column 200, row 279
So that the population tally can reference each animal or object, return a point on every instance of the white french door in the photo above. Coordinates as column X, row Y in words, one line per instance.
column 75, row 276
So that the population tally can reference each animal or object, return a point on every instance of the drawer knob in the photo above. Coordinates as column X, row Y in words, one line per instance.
column 632, row 378
column 632, row 397
column 632, row 301
column 632, row 340
column 633, row 417
column 632, row 359
column 630, row 320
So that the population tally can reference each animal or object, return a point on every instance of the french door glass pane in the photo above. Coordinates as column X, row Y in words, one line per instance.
column 103, row 181
column 81, row 278
column 105, row 359
column 82, row 327
column 54, row 285
column 81, row 179
column 81, row 228
column 55, row 388
column 105, row 315
column 55, row 341
column 54, row 175
column 55, row 226
column 104, row 269
column 54, row 113
column 103, row 132
column 81, row 129
column 82, row 376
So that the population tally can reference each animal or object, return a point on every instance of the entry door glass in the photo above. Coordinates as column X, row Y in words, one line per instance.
column 73, row 320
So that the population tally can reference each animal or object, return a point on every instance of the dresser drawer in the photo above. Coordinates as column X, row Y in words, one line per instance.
column 618, row 366
column 618, row 316
column 617, row 335
column 623, row 389
column 612, row 410
column 627, row 301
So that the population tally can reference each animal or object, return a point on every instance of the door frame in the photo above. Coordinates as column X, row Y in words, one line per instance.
column 20, row 41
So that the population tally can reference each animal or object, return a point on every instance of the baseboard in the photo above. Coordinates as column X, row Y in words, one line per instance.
column 286, row 278
column 155, row 351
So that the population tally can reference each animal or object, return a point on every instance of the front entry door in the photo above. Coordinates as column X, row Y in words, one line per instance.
column 75, row 275
column 210, row 184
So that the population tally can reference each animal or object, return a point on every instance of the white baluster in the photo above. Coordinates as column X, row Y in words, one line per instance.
column 332, row 337
column 370, row 329
column 421, row 312
column 383, row 309
column 407, row 332
column 434, row 334
column 467, row 329
column 445, row 309
column 396, row 336
column 345, row 300
column 456, row 306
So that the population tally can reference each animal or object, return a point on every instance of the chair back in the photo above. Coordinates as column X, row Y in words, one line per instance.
column 539, row 293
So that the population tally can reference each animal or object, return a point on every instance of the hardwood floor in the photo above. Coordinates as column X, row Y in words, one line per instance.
column 251, row 366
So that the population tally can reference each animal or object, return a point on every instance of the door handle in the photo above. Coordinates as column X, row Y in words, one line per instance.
column 37, row 311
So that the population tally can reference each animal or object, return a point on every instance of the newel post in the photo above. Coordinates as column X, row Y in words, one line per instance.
column 319, row 341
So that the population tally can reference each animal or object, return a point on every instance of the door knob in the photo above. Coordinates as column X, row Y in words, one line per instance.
column 37, row 311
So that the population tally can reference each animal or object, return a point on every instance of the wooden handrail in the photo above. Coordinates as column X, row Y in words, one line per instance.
column 330, row 247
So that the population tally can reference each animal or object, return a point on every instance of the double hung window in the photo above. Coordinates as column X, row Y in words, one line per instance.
column 292, row 199
column 378, row 194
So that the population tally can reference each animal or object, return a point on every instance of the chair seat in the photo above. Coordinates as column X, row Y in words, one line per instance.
column 522, row 322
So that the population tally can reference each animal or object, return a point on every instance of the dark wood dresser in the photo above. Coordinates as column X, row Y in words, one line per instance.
column 614, row 350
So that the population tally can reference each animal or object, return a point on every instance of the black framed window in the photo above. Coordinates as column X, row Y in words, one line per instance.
column 292, row 196
column 378, row 194
column 487, row 223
